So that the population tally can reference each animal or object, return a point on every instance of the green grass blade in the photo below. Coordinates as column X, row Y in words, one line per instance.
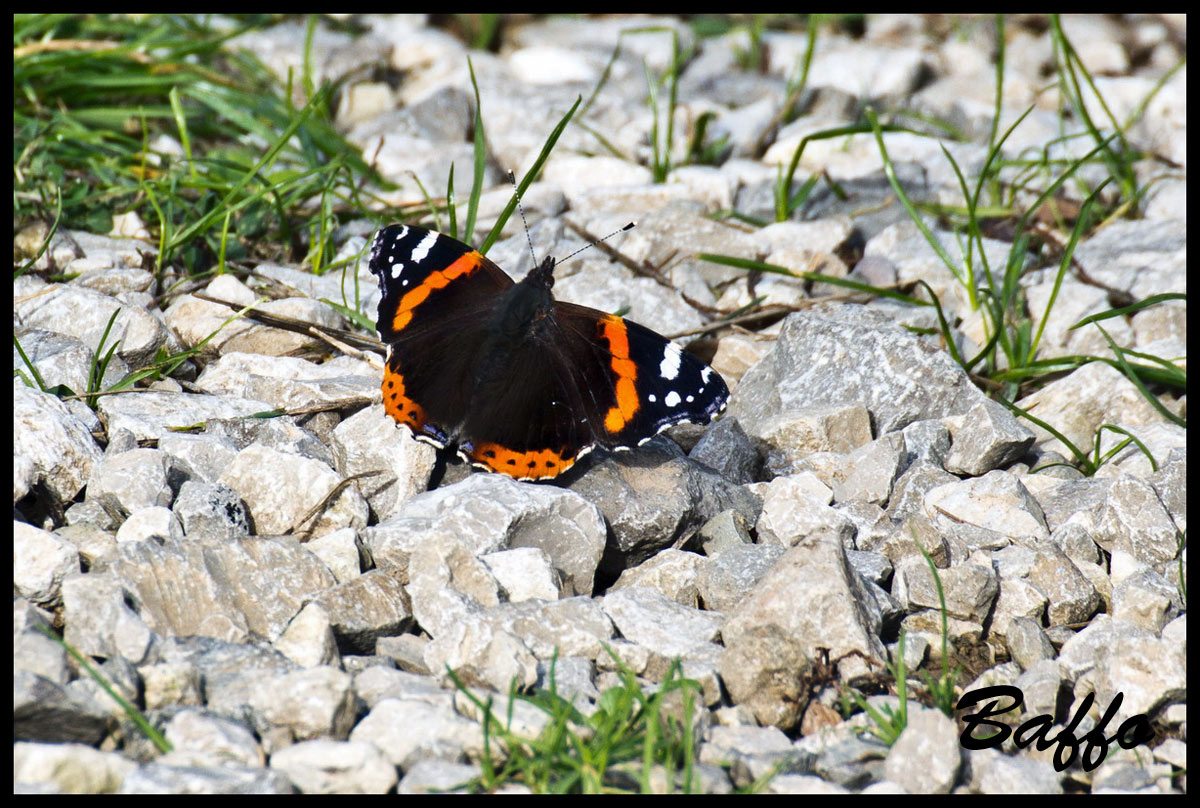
column 1064, row 266
column 480, row 166
column 131, row 712
column 1153, row 300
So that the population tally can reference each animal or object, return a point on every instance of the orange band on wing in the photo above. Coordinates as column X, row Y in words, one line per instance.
column 613, row 331
column 532, row 465
column 465, row 265
column 398, row 405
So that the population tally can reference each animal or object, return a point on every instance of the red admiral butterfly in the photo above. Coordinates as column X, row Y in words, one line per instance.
column 524, row 384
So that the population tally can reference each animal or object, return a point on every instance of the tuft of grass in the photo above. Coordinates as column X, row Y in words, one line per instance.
column 662, row 131
column 100, row 366
column 787, row 202
column 124, row 114
column 702, row 151
column 633, row 742
column 754, row 56
column 480, row 156
column 662, row 100
column 1072, row 75
column 941, row 688
column 888, row 724
column 480, row 31
column 163, row 365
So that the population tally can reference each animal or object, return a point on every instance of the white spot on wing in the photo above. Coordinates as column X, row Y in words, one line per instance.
column 420, row 252
column 672, row 399
column 669, row 367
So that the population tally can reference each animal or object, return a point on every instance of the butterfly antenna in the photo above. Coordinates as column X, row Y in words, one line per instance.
column 629, row 226
column 512, row 178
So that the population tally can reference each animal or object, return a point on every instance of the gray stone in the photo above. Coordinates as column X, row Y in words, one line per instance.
column 728, row 450
column 71, row 768
column 85, row 313
column 491, row 513
column 723, row 582
column 806, row 594
column 205, row 739
column 311, row 703
column 308, row 640
column 925, row 759
column 160, row 778
column 151, row 415
column 790, row 436
column 437, row 776
column 444, row 734
column 33, row 650
column 341, row 553
column 324, row 766
column 724, row 531
column 524, row 573
column 41, row 560
column 986, row 437
column 368, row 607
column 211, row 510
column 1027, row 643
column 994, row 773
column 1071, row 596
column 203, row 456
column 280, row 502
column 49, row 712
column 673, row 573
column 996, row 502
column 369, row 441
column 872, row 470
column 796, row 507
column 130, row 481
column 969, row 590
column 1133, row 520
column 155, row 523
column 1043, row 688
column 52, row 444
column 647, row 618
column 810, row 363
column 101, row 619
column 171, row 685
column 654, row 497
column 766, row 670
column 229, row 590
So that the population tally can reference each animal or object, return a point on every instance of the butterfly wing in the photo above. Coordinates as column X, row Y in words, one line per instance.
column 437, row 297
column 655, row 384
